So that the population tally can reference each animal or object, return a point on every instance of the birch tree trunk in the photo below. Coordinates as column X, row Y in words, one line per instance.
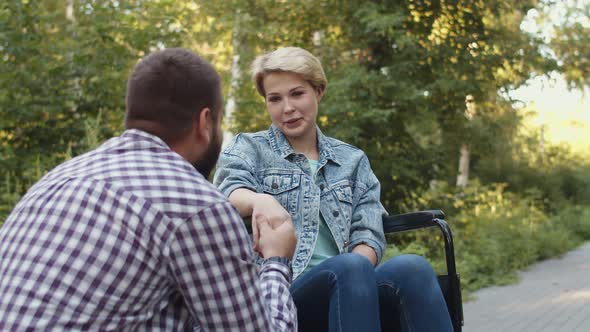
column 465, row 152
column 236, row 76
column 542, row 145
column 71, row 18
column 463, row 177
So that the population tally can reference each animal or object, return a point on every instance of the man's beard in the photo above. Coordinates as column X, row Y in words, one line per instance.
column 206, row 164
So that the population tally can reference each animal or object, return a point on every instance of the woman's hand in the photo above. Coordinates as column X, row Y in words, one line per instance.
column 261, row 207
column 365, row 250
column 266, row 208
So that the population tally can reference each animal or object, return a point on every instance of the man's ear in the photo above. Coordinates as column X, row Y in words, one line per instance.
column 203, row 123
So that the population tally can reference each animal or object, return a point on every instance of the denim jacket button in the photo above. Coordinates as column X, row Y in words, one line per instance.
column 322, row 186
column 335, row 213
column 274, row 185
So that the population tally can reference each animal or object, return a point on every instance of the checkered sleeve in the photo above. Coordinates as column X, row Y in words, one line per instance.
column 211, row 261
column 277, row 296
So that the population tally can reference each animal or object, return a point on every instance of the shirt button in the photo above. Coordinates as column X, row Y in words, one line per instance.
column 274, row 186
column 335, row 213
column 322, row 186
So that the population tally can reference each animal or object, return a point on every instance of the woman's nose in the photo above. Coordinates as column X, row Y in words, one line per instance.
column 288, row 106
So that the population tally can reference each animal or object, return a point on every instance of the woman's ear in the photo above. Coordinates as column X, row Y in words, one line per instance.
column 320, row 93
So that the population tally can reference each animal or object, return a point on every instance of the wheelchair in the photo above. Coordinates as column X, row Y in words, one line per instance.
column 449, row 283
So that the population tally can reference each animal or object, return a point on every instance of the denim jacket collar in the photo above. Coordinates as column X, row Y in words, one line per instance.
column 281, row 145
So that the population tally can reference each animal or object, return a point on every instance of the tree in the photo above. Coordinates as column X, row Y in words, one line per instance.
column 60, row 67
column 571, row 44
column 422, row 58
column 398, row 75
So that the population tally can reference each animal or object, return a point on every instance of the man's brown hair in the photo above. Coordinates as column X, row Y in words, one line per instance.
column 167, row 89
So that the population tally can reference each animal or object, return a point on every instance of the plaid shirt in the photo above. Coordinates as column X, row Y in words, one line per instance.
column 131, row 237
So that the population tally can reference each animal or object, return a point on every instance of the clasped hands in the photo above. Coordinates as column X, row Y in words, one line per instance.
column 272, row 228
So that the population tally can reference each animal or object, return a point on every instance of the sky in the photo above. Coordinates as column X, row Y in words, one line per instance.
column 564, row 113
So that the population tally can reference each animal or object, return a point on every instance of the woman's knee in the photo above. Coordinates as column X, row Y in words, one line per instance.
column 355, row 278
column 406, row 266
column 351, row 265
column 351, row 261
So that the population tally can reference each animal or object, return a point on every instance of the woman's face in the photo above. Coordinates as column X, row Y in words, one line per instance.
column 292, row 103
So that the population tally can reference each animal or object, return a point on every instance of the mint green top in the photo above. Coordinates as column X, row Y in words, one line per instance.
column 325, row 246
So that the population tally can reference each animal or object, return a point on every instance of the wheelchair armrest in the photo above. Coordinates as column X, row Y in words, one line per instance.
column 409, row 221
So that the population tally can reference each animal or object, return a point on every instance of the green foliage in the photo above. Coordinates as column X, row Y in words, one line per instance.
column 399, row 73
column 12, row 187
column 57, row 72
column 560, row 177
column 571, row 44
column 9, row 196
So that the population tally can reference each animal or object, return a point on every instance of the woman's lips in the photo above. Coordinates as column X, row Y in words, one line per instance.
column 292, row 123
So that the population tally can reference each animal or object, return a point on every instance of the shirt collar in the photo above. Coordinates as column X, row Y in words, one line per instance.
column 142, row 135
column 280, row 144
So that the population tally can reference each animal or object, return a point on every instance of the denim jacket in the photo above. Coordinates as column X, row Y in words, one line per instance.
column 346, row 191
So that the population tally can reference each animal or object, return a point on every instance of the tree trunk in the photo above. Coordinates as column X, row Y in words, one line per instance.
column 463, row 176
column 236, row 76
column 465, row 153
column 542, row 145
column 71, row 17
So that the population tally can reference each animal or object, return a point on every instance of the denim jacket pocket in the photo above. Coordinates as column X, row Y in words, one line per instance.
column 343, row 193
column 282, row 187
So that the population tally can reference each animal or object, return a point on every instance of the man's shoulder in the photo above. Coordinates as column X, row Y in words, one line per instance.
column 151, row 173
column 179, row 195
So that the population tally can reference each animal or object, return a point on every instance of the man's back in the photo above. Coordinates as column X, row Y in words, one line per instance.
column 127, row 236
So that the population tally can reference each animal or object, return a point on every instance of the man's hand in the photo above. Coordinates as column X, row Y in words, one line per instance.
column 279, row 241
column 266, row 208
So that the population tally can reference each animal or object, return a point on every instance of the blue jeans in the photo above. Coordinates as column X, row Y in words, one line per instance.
column 346, row 293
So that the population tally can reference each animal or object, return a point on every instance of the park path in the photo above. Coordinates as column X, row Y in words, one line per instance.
column 551, row 296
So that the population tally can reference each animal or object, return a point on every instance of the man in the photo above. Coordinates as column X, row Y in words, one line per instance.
column 131, row 236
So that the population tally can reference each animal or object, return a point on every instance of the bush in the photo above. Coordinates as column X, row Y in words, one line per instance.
column 33, row 167
column 561, row 178
column 9, row 196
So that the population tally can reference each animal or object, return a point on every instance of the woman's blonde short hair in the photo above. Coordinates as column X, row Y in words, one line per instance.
column 289, row 59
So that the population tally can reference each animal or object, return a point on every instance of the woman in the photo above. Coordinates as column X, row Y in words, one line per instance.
column 293, row 173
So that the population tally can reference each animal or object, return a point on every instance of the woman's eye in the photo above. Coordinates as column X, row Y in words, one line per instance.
column 298, row 93
column 274, row 99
